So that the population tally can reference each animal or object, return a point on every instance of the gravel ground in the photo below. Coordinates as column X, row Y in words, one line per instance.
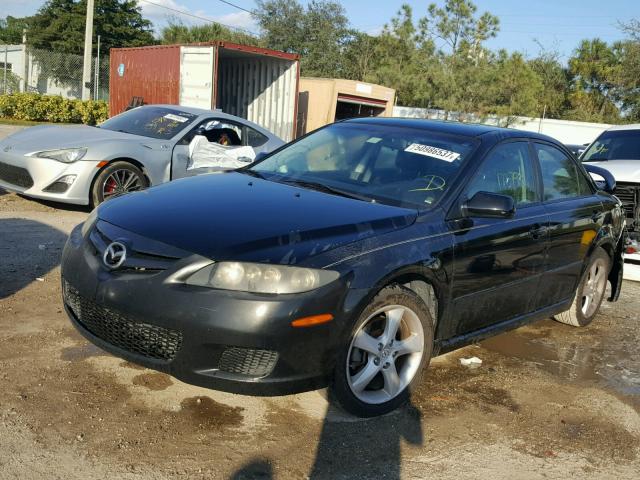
column 548, row 401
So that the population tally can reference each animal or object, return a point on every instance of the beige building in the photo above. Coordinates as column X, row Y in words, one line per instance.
column 326, row 100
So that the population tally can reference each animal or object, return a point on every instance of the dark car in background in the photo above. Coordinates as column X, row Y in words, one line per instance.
column 347, row 258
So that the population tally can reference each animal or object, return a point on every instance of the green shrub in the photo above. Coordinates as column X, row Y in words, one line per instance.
column 52, row 108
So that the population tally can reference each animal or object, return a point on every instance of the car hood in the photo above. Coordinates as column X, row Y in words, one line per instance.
column 50, row 137
column 235, row 216
column 622, row 170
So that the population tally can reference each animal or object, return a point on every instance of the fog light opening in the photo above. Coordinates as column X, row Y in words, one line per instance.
column 312, row 320
column 61, row 185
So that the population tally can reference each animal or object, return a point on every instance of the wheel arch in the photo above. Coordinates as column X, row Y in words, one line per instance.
column 130, row 160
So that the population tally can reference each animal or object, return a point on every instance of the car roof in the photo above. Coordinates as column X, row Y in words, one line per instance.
column 453, row 128
column 631, row 126
column 218, row 113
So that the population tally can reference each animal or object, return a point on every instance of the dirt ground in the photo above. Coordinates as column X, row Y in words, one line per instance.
column 548, row 401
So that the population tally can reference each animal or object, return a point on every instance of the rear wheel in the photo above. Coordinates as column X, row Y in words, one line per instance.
column 590, row 293
column 116, row 179
column 386, row 354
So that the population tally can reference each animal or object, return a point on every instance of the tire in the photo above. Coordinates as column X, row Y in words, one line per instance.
column 590, row 292
column 116, row 179
column 373, row 375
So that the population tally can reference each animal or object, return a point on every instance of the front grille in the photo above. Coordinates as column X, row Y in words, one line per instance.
column 120, row 330
column 248, row 361
column 629, row 195
column 17, row 176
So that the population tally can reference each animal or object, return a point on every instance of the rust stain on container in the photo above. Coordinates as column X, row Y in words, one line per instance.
column 152, row 73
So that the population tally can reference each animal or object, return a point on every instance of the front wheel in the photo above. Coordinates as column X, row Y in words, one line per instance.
column 386, row 354
column 590, row 292
column 116, row 179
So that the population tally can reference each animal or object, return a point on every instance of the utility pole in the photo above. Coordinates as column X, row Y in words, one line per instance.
column 88, row 47
column 96, row 73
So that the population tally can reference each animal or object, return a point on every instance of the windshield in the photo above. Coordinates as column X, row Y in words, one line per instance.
column 393, row 165
column 154, row 122
column 614, row 145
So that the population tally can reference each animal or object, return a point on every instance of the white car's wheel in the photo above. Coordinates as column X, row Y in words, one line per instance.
column 590, row 293
column 116, row 179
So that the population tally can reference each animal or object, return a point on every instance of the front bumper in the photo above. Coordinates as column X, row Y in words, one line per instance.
column 30, row 176
column 230, row 341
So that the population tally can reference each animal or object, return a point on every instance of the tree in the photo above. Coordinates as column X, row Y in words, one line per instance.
column 555, row 84
column 177, row 32
column 594, row 70
column 59, row 25
column 457, row 25
column 11, row 29
column 514, row 88
column 318, row 33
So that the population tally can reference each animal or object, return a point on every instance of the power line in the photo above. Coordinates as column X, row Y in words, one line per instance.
column 236, row 6
column 197, row 16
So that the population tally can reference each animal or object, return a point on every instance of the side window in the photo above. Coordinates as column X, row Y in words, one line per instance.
column 507, row 170
column 255, row 138
column 216, row 131
column 561, row 177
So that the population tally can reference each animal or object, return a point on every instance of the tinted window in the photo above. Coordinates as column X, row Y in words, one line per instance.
column 507, row 170
column 394, row 165
column 154, row 122
column 614, row 145
column 561, row 177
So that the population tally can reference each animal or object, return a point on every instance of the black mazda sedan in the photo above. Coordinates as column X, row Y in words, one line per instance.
column 347, row 259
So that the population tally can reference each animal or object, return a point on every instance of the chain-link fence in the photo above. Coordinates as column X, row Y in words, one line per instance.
column 23, row 69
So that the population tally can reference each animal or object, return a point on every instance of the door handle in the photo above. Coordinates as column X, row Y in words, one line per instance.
column 538, row 231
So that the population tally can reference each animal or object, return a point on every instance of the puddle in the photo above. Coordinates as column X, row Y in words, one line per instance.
column 208, row 413
column 582, row 360
column 81, row 352
column 153, row 381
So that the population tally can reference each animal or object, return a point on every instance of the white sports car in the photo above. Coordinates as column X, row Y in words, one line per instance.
column 145, row 146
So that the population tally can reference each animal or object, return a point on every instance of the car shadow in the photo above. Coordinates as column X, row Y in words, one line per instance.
column 28, row 251
column 351, row 447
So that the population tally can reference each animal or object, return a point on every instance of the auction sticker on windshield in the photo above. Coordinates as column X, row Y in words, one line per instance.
column 176, row 118
column 435, row 152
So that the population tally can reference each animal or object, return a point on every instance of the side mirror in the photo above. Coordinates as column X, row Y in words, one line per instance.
column 260, row 156
column 489, row 205
column 608, row 184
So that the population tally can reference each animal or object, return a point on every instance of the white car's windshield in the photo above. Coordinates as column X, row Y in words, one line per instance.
column 394, row 165
column 614, row 145
column 150, row 121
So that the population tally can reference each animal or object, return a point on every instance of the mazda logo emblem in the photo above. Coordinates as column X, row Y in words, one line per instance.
column 114, row 255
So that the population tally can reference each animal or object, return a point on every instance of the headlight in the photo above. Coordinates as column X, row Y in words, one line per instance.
column 66, row 155
column 89, row 222
column 261, row 278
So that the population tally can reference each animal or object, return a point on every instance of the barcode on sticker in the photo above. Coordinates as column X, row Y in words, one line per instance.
column 435, row 152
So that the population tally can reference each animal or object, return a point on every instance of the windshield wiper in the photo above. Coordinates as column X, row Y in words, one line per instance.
column 321, row 187
column 248, row 171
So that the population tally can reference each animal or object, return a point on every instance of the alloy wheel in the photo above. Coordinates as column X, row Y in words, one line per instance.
column 594, row 288
column 385, row 354
column 120, row 182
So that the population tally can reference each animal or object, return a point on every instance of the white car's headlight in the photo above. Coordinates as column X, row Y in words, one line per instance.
column 65, row 155
column 261, row 278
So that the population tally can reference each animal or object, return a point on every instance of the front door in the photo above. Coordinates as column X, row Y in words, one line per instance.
column 575, row 215
column 498, row 262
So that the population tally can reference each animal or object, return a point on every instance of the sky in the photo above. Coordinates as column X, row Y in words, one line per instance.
column 526, row 26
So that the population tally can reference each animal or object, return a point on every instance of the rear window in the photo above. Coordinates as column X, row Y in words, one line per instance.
column 153, row 122
column 614, row 145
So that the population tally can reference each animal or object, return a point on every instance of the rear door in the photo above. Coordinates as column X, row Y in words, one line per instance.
column 575, row 216
column 196, row 76
column 499, row 261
